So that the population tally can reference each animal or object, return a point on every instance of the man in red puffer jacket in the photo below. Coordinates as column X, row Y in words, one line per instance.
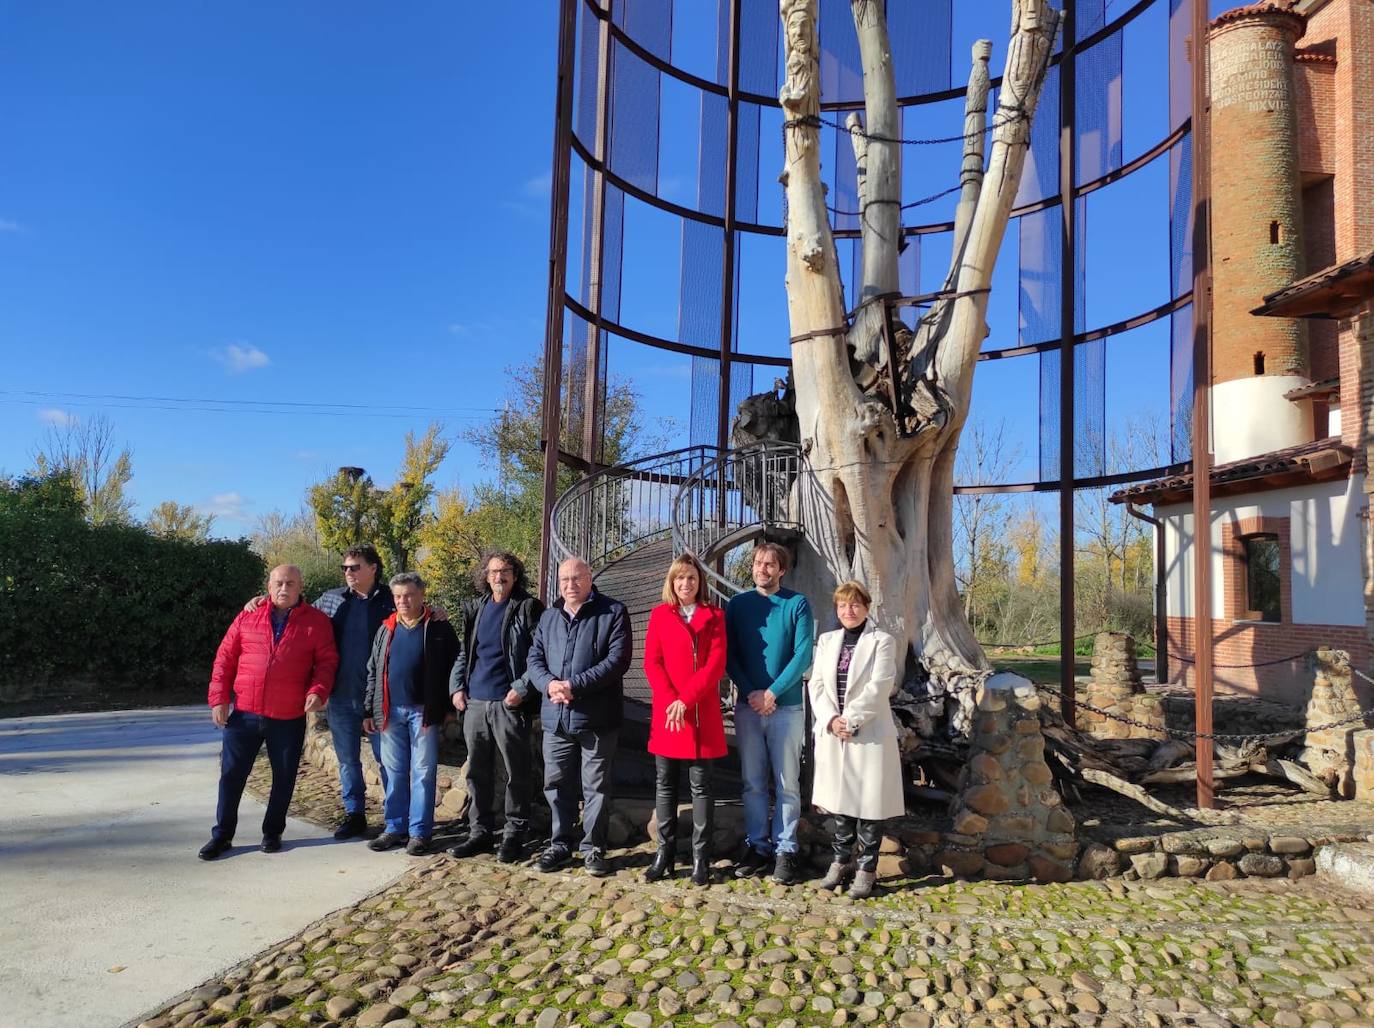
column 277, row 664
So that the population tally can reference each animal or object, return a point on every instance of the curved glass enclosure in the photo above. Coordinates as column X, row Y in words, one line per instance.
column 674, row 263
column 668, row 258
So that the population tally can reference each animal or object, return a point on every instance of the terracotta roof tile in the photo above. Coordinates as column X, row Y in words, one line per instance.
column 1261, row 466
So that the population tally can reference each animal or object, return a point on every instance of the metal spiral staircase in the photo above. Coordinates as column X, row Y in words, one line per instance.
column 628, row 521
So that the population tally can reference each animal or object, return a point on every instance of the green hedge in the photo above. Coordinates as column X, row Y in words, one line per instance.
column 112, row 605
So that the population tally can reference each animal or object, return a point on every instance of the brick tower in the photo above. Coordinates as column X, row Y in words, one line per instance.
column 1257, row 245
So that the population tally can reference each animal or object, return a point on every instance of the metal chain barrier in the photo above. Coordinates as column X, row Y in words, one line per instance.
column 1175, row 733
column 1260, row 663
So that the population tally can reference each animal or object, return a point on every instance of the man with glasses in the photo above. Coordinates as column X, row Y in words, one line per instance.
column 489, row 688
column 357, row 609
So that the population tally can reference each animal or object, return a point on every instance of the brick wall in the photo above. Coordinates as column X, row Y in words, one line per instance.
column 1240, row 640
column 1330, row 143
column 1345, row 29
column 1314, row 97
column 1319, row 251
column 1257, row 208
column 1256, row 642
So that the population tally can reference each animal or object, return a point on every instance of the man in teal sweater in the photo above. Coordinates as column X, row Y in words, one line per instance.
column 769, row 633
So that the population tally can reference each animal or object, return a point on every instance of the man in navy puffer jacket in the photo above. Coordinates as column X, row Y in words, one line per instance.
column 578, row 660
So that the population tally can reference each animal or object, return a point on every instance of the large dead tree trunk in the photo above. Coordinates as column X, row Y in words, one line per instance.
column 877, row 495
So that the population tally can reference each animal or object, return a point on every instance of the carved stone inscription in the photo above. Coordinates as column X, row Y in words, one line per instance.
column 1253, row 75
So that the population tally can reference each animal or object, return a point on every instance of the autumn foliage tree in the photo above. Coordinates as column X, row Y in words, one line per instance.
column 350, row 508
column 172, row 520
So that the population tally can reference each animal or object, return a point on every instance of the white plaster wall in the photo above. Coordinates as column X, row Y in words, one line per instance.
column 1328, row 580
column 1250, row 416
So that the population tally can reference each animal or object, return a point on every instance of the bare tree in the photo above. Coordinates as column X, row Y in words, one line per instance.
column 982, row 521
column 880, row 424
column 1108, row 538
column 86, row 450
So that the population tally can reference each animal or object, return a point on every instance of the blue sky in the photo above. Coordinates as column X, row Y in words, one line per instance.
column 347, row 203
column 339, row 203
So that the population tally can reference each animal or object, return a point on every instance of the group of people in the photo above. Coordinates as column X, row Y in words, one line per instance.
column 392, row 667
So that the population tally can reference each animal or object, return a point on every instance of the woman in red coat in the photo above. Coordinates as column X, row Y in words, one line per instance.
column 684, row 659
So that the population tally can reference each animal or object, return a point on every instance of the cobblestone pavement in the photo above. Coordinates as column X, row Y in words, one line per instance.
column 316, row 798
column 477, row 942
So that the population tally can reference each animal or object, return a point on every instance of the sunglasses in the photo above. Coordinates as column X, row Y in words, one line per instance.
column 351, row 567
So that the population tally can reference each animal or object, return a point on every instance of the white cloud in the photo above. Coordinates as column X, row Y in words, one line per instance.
column 10, row 226
column 238, row 359
column 228, row 506
column 56, row 417
column 538, row 187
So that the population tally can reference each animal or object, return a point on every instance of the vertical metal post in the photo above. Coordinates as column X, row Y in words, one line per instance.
column 1068, row 303
column 727, row 290
column 1161, row 594
column 1161, row 609
column 591, row 384
column 558, row 262
column 1202, row 413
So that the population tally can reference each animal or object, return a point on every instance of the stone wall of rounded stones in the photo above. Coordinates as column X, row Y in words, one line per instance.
column 1115, row 685
column 1009, row 821
column 1327, row 753
column 1362, row 771
column 1216, row 854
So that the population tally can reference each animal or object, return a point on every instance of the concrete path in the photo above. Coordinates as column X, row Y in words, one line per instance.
column 105, row 912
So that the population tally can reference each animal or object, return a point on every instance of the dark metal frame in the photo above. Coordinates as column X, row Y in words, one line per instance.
column 1202, row 414
column 565, row 143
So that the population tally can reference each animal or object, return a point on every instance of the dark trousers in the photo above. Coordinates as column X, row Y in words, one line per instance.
column 666, row 775
column 870, row 834
column 244, row 737
column 492, row 729
column 579, row 764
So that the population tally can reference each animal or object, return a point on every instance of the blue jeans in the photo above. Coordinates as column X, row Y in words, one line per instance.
column 244, row 737
column 410, row 754
column 770, row 752
column 346, row 729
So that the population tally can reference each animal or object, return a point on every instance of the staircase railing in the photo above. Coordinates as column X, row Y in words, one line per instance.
column 613, row 511
column 732, row 498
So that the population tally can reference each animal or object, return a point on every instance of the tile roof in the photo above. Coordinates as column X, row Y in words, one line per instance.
column 1333, row 292
column 1321, row 456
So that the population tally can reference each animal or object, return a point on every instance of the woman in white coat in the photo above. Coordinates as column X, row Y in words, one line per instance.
column 858, row 777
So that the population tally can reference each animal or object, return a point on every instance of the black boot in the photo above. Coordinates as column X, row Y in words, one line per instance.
column 665, row 813
column 703, row 831
column 663, row 864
